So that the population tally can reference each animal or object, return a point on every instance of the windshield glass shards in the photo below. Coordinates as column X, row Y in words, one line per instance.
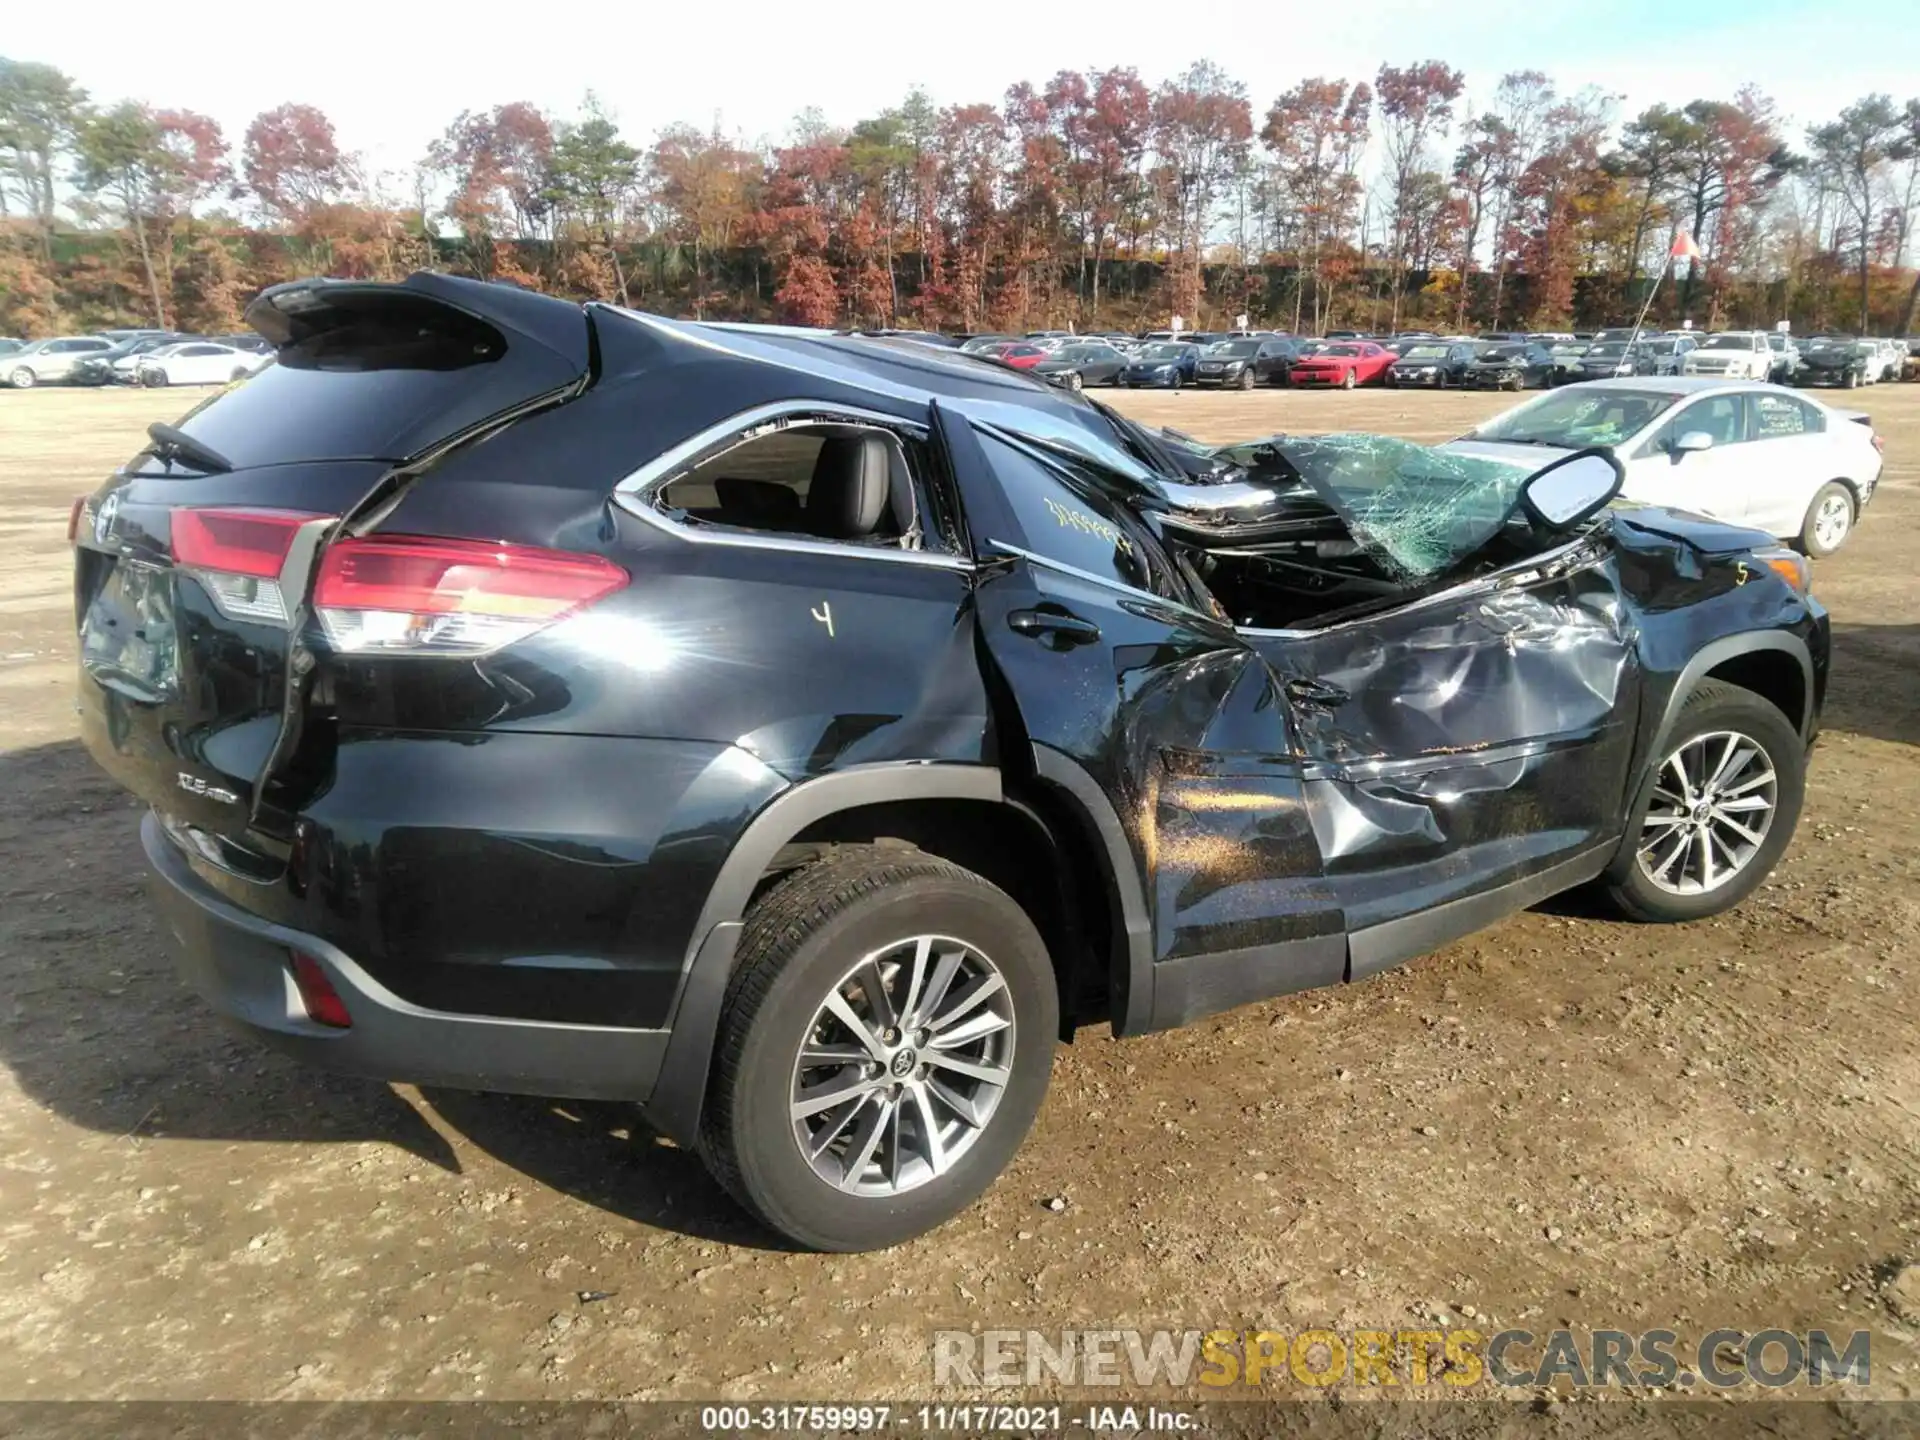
column 1420, row 510
column 1414, row 510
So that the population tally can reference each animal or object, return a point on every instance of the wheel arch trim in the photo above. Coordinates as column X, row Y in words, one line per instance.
column 1730, row 647
column 675, row 1103
column 1135, row 927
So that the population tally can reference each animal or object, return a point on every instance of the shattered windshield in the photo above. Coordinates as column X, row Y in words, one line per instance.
column 1577, row 418
column 1416, row 511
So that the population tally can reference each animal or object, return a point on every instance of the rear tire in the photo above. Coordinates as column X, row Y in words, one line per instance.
column 1829, row 520
column 1648, row 880
column 896, row 914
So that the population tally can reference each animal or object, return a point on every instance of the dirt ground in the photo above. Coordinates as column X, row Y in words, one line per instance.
column 1562, row 1120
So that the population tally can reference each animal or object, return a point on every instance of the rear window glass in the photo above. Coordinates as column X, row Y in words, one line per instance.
column 383, row 382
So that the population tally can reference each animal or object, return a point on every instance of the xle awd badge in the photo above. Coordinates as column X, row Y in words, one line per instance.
column 194, row 785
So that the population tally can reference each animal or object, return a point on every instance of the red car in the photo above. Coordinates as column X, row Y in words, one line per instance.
column 1017, row 354
column 1350, row 363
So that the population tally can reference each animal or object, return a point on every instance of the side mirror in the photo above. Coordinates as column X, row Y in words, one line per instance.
column 1571, row 489
column 1692, row 440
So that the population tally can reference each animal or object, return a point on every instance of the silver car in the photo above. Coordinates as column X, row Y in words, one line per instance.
column 46, row 360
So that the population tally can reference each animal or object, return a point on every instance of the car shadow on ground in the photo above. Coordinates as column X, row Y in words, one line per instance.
column 97, row 1028
column 1875, row 690
column 603, row 1154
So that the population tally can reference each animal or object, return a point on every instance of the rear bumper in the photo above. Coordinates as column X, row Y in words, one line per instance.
column 239, row 963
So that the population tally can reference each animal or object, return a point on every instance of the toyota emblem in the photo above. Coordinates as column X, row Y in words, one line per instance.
column 104, row 517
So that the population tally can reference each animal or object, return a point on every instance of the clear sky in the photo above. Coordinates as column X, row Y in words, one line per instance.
column 392, row 75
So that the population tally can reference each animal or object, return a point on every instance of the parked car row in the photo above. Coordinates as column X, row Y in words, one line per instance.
column 131, row 357
column 1497, row 361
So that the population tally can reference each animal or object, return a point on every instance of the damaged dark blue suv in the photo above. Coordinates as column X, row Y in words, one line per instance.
column 797, row 734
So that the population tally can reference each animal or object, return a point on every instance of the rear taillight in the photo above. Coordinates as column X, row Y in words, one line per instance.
column 1879, row 444
column 237, row 555
column 414, row 594
column 317, row 995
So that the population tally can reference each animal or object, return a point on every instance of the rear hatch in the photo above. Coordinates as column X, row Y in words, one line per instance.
column 194, row 564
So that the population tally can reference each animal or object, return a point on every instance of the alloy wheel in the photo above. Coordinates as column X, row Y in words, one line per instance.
column 903, row 1066
column 1713, row 803
column 1832, row 521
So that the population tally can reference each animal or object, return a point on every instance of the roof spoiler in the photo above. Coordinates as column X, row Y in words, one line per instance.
column 300, row 310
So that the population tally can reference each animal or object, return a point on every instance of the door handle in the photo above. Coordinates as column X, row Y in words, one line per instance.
column 1315, row 692
column 1061, row 627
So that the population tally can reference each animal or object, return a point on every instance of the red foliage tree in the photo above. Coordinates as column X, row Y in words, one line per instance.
column 291, row 161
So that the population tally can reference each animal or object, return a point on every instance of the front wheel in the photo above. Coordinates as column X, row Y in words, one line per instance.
column 1178, row 380
column 153, row 379
column 1717, row 811
column 1245, row 381
column 885, row 1044
column 1348, row 379
column 1074, row 382
column 22, row 378
column 1829, row 520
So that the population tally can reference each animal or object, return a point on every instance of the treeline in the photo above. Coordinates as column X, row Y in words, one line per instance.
column 1093, row 199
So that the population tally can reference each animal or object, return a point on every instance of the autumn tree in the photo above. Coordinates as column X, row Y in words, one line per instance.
column 41, row 114
column 1416, row 109
column 1201, row 127
column 292, row 163
column 496, row 165
column 1523, row 107
column 1477, row 167
column 124, row 162
column 1102, row 122
column 1550, row 198
column 1910, row 205
column 1316, row 134
column 1853, row 152
column 706, row 186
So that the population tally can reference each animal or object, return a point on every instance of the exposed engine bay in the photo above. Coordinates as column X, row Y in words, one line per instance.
column 1305, row 531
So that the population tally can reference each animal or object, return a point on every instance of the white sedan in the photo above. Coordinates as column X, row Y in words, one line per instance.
column 1751, row 454
column 195, row 362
